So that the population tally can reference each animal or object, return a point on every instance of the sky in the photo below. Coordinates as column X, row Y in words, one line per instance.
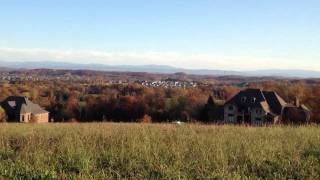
column 211, row 34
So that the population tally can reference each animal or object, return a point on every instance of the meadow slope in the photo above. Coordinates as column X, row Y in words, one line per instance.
column 156, row 151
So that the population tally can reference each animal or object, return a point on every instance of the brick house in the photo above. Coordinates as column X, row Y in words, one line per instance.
column 21, row 109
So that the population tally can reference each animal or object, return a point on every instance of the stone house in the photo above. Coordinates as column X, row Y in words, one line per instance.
column 21, row 109
column 254, row 106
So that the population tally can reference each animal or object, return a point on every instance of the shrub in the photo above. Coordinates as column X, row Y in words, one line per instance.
column 146, row 119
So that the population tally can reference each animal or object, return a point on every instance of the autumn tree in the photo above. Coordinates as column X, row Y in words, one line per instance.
column 3, row 116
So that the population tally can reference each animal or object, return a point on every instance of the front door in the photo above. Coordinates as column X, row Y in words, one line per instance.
column 247, row 119
column 239, row 119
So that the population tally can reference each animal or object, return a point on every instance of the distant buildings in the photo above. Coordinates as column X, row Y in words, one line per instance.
column 21, row 109
column 169, row 84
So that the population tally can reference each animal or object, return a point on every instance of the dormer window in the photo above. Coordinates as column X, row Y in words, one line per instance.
column 12, row 104
column 243, row 99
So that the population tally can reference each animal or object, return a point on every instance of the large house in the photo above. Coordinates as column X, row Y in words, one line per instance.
column 21, row 109
column 254, row 106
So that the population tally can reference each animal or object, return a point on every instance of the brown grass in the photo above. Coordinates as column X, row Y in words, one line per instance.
column 154, row 151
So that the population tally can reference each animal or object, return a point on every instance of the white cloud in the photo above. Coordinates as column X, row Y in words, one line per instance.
column 185, row 60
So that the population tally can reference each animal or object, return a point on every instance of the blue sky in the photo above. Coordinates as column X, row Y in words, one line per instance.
column 224, row 34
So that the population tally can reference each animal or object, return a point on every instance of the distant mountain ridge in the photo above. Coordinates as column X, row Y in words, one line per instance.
column 156, row 69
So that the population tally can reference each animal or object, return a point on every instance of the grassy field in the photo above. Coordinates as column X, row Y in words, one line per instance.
column 142, row 151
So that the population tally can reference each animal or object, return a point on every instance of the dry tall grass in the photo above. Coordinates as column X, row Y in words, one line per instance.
column 148, row 151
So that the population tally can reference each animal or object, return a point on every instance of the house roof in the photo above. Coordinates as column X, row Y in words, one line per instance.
column 304, row 107
column 215, row 102
column 269, row 101
column 265, row 106
column 22, row 105
column 275, row 102
column 301, row 107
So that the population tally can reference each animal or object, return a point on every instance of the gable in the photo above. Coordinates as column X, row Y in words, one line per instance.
column 248, row 98
column 275, row 102
column 269, row 101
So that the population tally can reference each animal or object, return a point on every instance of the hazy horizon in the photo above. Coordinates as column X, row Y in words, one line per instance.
column 61, row 63
column 224, row 35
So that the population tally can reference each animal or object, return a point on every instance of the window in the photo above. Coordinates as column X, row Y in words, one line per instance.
column 253, row 100
column 231, row 108
column 243, row 99
column 259, row 111
column 258, row 119
column 231, row 118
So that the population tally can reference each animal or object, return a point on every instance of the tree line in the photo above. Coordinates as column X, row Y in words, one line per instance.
column 83, row 102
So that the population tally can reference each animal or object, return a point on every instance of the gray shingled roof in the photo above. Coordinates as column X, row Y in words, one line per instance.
column 275, row 102
column 23, row 105
column 270, row 101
